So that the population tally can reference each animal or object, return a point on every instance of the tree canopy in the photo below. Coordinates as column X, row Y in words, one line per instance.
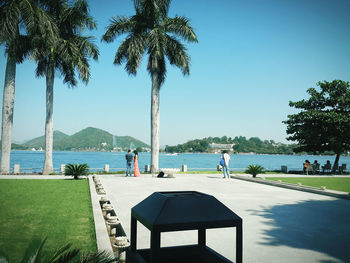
column 151, row 31
column 324, row 121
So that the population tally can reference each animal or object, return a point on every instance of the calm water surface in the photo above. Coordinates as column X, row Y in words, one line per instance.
column 194, row 161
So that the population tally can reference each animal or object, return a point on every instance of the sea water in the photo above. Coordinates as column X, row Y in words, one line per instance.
column 31, row 161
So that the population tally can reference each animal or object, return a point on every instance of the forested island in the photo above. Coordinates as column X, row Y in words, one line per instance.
column 240, row 144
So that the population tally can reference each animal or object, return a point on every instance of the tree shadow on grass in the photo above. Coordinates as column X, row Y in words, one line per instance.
column 322, row 226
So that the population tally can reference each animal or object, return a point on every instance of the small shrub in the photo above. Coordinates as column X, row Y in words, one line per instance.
column 254, row 170
column 76, row 170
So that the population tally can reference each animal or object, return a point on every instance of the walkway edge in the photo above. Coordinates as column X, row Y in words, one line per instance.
column 293, row 187
column 102, row 237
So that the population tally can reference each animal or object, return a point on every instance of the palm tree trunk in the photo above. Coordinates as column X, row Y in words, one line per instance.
column 7, row 114
column 48, row 165
column 155, row 120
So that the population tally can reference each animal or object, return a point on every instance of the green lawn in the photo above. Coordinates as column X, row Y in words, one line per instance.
column 336, row 183
column 33, row 209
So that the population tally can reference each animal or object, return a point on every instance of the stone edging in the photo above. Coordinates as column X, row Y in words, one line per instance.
column 294, row 187
column 102, row 237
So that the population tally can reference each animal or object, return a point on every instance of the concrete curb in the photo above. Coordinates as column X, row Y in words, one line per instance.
column 102, row 237
column 308, row 189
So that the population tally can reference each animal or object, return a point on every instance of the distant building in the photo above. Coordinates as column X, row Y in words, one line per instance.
column 215, row 147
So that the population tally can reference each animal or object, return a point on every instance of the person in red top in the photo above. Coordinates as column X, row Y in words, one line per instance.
column 136, row 164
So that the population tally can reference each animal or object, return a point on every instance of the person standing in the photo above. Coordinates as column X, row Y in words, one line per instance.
column 227, row 159
column 128, row 158
column 136, row 164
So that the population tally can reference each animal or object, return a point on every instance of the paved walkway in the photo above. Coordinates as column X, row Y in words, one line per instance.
column 279, row 225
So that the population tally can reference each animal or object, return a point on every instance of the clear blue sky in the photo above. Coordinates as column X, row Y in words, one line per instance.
column 252, row 58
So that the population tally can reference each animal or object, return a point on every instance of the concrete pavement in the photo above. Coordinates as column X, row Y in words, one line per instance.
column 279, row 225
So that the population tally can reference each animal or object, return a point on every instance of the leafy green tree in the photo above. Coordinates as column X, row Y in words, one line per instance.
column 16, row 23
column 67, row 52
column 324, row 121
column 139, row 149
column 151, row 30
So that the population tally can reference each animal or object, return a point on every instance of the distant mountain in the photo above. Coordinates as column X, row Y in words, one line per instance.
column 15, row 146
column 39, row 142
column 89, row 139
column 124, row 142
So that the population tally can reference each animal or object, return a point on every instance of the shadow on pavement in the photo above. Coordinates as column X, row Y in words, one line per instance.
column 322, row 226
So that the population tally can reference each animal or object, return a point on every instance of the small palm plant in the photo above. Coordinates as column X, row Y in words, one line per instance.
column 65, row 254
column 254, row 170
column 76, row 170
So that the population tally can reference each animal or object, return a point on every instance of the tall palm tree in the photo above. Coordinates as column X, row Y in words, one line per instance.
column 151, row 30
column 16, row 22
column 67, row 52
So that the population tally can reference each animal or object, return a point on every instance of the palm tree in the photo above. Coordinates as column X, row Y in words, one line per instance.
column 151, row 30
column 16, row 22
column 67, row 52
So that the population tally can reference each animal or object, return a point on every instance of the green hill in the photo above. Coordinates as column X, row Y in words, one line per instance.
column 93, row 139
column 40, row 141
column 89, row 139
column 15, row 146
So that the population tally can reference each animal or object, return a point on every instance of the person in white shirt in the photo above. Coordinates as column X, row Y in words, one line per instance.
column 227, row 159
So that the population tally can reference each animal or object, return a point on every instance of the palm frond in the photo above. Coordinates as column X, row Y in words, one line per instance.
column 40, row 70
column 156, row 41
column 180, row 26
column 83, row 69
column 64, row 254
column 76, row 170
column 100, row 257
column 68, row 256
column 33, row 253
column 151, row 9
column 176, row 53
column 157, row 66
column 77, row 17
column 118, row 26
column 254, row 170
column 9, row 19
column 87, row 46
column 67, row 71
column 121, row 56
column 131, row 52
column 135, row 50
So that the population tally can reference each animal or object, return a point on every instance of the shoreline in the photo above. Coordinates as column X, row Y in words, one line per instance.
column 177, row 154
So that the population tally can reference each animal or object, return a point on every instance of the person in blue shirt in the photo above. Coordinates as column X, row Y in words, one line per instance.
column 128, row 157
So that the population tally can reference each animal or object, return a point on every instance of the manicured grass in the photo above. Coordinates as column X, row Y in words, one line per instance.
column 33, row 209
column 336, row 183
